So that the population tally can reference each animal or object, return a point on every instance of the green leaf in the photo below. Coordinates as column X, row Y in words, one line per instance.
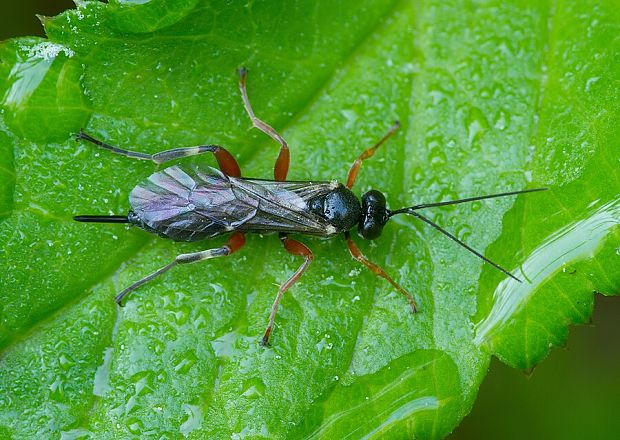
column 492, row 96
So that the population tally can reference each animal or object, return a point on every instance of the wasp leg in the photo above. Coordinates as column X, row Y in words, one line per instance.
column 357, row 254
column 293, row 247
column 355, row 168
column 225, row 160
column 280, row 170
column 234, row 243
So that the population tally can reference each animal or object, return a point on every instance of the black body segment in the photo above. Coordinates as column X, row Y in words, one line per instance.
column 374, row 215
column 102, row 218
column 339, row 207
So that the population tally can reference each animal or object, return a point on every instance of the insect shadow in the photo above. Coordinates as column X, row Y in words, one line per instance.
column 202, row 203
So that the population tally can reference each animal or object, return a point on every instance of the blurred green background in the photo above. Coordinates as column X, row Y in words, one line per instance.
column 573, row 394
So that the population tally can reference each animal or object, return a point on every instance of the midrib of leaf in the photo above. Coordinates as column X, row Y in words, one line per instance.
column 307, row 106
column 405, row 8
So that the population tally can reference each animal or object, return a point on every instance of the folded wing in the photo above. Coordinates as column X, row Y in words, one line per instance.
column 200, row 204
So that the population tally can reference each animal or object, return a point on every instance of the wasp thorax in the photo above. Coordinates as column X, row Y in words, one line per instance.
column 339, row 207
column 374, row 215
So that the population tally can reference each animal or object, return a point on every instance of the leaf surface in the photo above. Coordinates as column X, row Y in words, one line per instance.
column 492, row 96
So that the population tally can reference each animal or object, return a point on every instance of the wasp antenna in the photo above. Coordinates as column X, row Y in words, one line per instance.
column 77, row 136
column 101, row 218
column 453, row 238
column 411, row 210
column 468, row 199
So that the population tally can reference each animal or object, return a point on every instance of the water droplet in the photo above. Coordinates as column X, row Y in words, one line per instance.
column 193, row 421
column 57, row 389
column 143, row 382
column 65, row 362
column 501, row 120
column 181, row 316
column 438, row 158
column 463, row 232
column 590, row 82
column 253, row 388
column 134, row 425
column 350, row 116
column 476, row 124
column 184, row 364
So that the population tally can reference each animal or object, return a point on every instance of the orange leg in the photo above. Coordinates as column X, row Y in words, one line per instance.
column 357, row 254
column 282, row 162
column 294, row 247
column 355, row 168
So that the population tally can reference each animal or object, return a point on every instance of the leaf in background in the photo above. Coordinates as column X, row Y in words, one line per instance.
column 492, row 96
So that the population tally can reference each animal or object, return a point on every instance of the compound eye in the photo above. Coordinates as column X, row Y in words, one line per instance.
column 370, row 230
column 373, row 215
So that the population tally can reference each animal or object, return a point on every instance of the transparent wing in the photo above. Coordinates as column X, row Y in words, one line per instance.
column 282, row 206
column 200, row 204
column 166, row 204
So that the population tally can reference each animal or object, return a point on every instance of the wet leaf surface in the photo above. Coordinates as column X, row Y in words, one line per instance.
column 491, row 96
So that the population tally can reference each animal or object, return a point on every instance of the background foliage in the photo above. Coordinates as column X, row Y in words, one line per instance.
column 475, row 95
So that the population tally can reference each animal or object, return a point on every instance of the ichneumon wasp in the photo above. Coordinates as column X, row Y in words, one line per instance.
column 198, row 204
